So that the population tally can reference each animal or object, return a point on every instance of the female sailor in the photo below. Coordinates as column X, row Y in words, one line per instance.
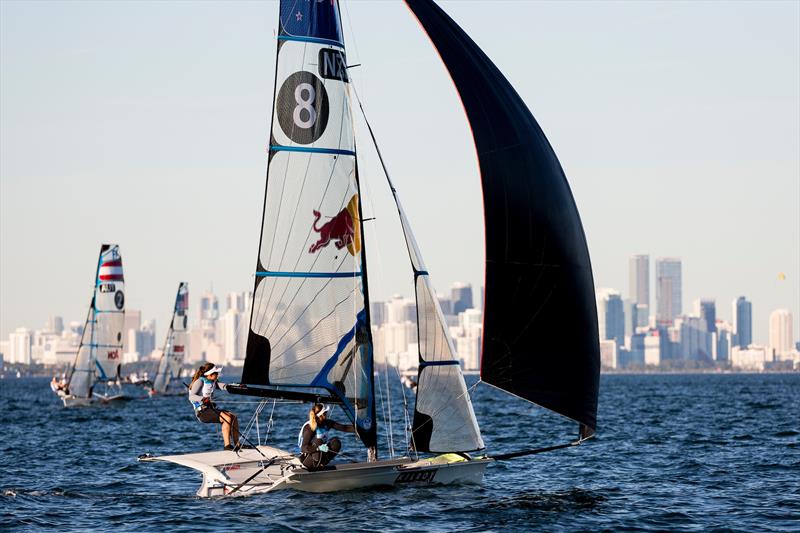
column 316, row 448
column 201, row 395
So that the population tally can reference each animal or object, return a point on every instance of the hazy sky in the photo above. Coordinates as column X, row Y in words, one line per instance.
column 145, row 124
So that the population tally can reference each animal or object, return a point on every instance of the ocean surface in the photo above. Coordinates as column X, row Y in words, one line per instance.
column 673, row 453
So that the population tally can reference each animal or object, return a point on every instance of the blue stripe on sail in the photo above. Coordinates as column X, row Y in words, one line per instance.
column 316, row 40
column 310, row 149
column 102, row 372
column 269, row 274
column 437, row 363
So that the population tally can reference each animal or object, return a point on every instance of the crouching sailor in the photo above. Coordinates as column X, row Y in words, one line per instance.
column 201, row 394
column 316, row 447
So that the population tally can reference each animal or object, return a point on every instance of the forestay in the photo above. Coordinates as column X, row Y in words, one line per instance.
column 169, row 366
column 310, row 326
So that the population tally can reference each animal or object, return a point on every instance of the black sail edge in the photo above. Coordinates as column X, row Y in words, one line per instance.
column 540, row 336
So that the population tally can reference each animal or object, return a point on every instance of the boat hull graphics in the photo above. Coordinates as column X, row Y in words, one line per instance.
column 75, row 401
column 227, row 473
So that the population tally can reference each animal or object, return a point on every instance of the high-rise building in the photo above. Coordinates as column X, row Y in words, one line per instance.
column 209, row 307
column 611, row 315
column 725, row 340
column 781, row 339
column 706, row 309
column 55, row 324
column 461, row 297
column 639, row 279
column 668, row 289
column 743, row 321
column 377, row 313
column 235, row 301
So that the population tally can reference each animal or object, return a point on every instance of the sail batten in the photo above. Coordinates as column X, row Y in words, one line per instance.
column 309, row 326
column 538, row 273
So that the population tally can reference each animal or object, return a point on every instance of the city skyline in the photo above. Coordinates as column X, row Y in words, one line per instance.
column 657, row 165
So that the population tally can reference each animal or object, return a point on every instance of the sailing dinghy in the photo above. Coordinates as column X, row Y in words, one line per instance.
column 95, row 374
column 310, row 336
column 167, row 379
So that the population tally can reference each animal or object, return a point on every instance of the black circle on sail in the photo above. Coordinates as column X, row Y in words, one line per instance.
column 302, row 107
column 119, row 300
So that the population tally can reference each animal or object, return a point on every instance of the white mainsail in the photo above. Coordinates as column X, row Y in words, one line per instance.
column 100, row 351
column 309, row 325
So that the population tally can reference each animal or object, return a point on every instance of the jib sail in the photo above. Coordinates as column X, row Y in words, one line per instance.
column 169, row 366
column 538, row 274
column 309, row 325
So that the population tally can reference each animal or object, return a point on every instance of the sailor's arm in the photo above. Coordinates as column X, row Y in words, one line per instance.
column 347, row 428
column 195, row 392
column 308, row 436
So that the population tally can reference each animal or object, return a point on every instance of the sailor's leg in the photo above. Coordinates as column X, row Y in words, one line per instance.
column 234, row 428
column 334, row 447
column 226, row 427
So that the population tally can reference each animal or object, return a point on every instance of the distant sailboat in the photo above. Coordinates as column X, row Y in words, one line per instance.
column 167, row 378
column 95, row 374
column 310, row 337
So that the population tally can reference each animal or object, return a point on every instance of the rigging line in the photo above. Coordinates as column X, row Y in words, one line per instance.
column 385, row 419
column 389, row 403
column 334, row 343
column 449, row 402
column 405, row 407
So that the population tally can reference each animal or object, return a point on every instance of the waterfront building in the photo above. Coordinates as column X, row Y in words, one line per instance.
column 20, row 347
column 209, row 307
column 725, row 339
column 754, row 357
column 652, row 349
column 608, row 354
column 781, row 339
column 706, row 309
column 55, row 324
column 743, row 321
column 235, row 301
column 669, row 289
column 610, row 315
column 377, row 313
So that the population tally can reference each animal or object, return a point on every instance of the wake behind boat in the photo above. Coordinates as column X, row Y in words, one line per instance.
column 310, row 336
column 94, row 376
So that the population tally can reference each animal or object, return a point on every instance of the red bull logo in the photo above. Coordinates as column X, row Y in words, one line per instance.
column 113, row 354
column 344, row 229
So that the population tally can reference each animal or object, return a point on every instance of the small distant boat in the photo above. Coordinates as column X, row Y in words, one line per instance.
column 167, row 379
column 410, row 382
column 310, row 337
column 94, row 376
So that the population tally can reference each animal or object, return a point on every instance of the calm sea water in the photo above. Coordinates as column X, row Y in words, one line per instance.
column 673, row 452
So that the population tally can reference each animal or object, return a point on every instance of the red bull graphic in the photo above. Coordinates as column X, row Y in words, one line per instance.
column 344, row 229
column 113, row 354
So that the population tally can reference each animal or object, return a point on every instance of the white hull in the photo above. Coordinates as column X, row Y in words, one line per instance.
column 75, row 401
column 227, row 473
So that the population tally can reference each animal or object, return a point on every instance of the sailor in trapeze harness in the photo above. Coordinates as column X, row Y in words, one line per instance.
column 201, row 394
column 316, row 447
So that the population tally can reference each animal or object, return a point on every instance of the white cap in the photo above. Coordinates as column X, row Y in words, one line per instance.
column 324, row 410
column 215, row 370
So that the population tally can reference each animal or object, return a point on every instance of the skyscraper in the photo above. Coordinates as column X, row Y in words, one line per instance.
column 706, row 309
column 668, row 289
column 461, row 297
column 209, row 306
column 639, row 279
column 611, row 315
column 781, row 339
column 743, row 321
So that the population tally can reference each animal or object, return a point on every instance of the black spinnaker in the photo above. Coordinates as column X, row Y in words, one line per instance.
column 540, row 336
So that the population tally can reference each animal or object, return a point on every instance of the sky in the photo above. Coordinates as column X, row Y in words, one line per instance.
column 145, row 124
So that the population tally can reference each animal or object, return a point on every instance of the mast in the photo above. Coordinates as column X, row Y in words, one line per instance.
column 538, row 272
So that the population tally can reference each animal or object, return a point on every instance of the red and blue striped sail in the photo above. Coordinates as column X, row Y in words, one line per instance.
column 309, row 326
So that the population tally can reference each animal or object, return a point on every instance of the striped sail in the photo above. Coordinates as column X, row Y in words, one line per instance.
column 109, row 313
column 100, row 352
column 169, row 366
column 309, row 325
